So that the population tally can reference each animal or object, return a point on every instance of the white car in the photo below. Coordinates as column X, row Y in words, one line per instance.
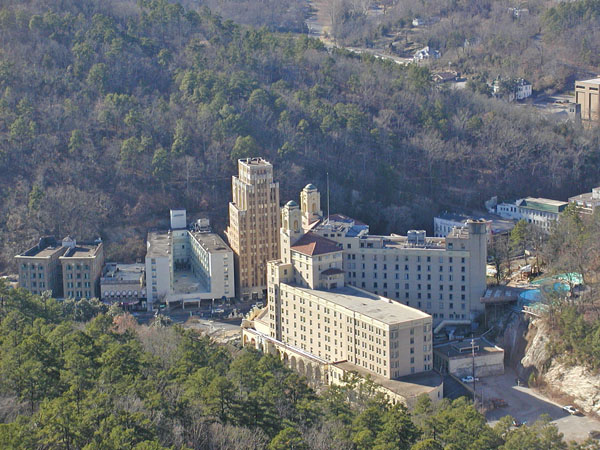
column 469, row 379
column 571, row 410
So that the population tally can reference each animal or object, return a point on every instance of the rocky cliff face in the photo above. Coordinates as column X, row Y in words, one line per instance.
column 525, row 343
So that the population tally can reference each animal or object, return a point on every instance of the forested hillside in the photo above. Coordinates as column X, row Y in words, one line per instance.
column 111, row 112
column 111, row 384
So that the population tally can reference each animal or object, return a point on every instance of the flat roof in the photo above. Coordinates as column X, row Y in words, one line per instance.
column 452, row 349
column 81, row 251
column 123, row 272
column 159, row 243
column 409, row 386
column 591, row 80
column 255, row 162
column 371, row 305
column 211, row 242
column 46, row 252
column 542, row 204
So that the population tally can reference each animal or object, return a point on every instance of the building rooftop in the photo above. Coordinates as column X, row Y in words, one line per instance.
column 254, row 162
column 45, row 248
column 123, row 272
column 371, row 305
column 409, row 386
column 47, row 252
column 498, row 224
column 464, row 348
column 211, row 242
column 592, row 81
column 159, row 244
column 397, row 241
column 82, row 251
column 542, row 204
column 312, row 244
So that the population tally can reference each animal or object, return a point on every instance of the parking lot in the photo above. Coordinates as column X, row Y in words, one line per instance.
column 525, row 405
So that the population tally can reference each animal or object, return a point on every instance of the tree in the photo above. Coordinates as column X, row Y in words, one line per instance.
column 427, row 444
column 76, row 141
column 35, row 198
column 244, row 147
column 398, row 431
column 288, row 439
column 161, row 165
column 520, row 237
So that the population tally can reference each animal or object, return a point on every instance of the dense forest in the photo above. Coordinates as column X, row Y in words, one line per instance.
column 74, row 376
column 111, row 112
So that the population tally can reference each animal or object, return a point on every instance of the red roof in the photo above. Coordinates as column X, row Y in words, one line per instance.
column 312, row 244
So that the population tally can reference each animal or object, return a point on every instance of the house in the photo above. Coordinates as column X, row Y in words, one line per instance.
column 512, row 89
column 446, row 76
column 426, row 53
column 518, row 13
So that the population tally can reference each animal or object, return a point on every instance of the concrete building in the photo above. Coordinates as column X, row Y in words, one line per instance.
column 315, row 317
column 82, row 268
column 444, row 277
column 587, row 96
column 458, row 357
column 588, row 202
column 445, row 222
column 40, row 269
column 254, row 221
column 124, row 284
column 187, row 265
column 541, row 212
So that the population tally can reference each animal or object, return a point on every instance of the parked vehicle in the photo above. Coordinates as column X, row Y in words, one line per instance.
column 571, row 410
column 469, row 379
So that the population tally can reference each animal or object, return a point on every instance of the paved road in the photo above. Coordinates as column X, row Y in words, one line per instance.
column 525, row 405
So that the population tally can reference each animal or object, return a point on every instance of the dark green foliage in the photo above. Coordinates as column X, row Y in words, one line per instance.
column 112, row 384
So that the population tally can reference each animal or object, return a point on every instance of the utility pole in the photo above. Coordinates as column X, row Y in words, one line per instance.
column 473, row 369
column 327, row 196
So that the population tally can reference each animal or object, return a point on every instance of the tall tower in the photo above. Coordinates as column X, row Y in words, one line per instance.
column 291, row 229
column 310, row 201
column 254, row 222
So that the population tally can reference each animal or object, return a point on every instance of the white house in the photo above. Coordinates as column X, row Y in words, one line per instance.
column 426, row 53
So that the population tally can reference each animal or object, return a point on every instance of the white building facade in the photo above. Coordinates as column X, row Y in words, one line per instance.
column 540, row 212
column 187, row 266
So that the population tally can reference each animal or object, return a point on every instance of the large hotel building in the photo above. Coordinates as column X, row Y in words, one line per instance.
column 254, row 221
column 342, row 300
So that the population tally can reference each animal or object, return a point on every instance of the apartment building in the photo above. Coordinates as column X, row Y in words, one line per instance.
column 68, row 269
column 186, row 265
column 254, row 221
column 587, row 95
column 40, row 269
column 541, row 212
column 82, row 268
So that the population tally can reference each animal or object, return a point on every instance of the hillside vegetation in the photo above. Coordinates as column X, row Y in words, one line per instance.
column 113, row 112
column 111, row 384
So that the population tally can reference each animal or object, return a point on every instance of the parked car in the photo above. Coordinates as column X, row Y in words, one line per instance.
column 469, row 379
column 571, row 410
column 518, row 424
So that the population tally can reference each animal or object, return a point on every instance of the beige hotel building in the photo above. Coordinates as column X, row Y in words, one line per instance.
column 341, row 300
column 254, row 222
